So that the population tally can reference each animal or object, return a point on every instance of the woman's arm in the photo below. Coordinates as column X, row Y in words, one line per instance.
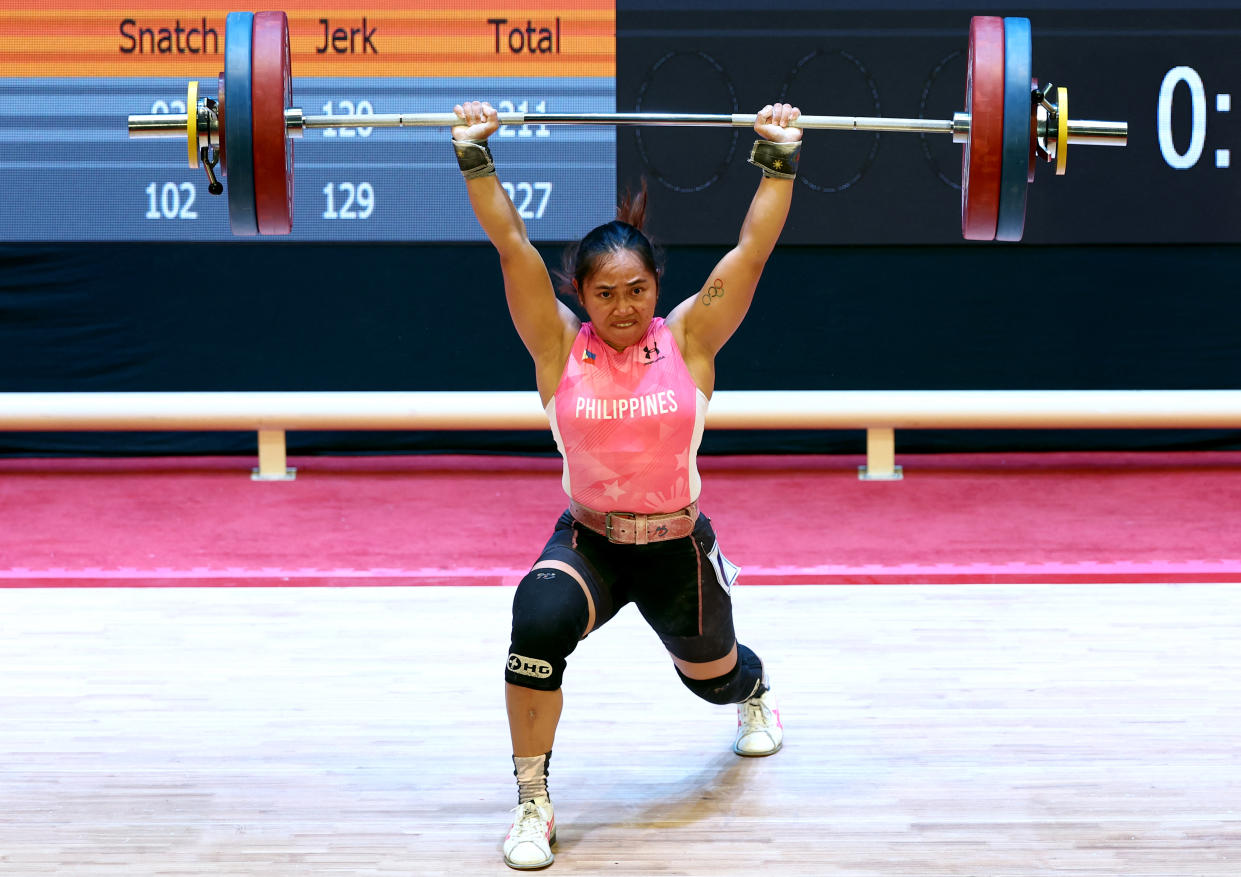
column 546, row 326
column 710, row 318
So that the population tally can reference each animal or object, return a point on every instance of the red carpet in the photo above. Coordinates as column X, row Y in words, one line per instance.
column 465, row 520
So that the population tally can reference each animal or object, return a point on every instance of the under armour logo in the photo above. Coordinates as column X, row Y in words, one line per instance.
column 653, row 350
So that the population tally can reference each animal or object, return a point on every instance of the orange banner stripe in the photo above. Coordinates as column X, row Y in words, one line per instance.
column 306, row 36
column 543, row 41
column 127, row 8
column 216, row 17
column 207, row 77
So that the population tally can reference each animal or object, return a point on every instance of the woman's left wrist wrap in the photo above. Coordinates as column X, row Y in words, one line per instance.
column 474, row 158
column 776, row 159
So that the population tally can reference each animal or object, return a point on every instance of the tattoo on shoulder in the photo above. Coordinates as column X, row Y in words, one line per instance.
column 712, row 292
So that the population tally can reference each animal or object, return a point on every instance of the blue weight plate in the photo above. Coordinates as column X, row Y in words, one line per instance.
column 1015, row 167
column 238, row 133
column 219, row 112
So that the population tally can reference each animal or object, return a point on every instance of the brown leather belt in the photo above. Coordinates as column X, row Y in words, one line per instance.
column 630, row 528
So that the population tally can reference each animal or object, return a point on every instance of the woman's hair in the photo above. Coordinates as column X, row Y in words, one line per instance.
column 623, row 233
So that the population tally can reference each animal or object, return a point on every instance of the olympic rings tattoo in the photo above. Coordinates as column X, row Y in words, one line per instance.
column 715, row 290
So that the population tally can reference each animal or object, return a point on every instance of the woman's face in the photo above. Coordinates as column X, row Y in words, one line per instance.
column 619, row 298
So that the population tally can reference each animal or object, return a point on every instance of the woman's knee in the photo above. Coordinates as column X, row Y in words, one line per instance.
column 740, row 683
column 550, row 617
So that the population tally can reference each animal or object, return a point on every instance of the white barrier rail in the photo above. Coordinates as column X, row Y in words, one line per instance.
column 880, row 413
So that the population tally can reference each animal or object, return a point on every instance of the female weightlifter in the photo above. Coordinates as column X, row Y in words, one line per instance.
column 626, row 393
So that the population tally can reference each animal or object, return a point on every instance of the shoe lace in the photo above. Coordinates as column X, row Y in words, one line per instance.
column 530, row 824
column 754, row 714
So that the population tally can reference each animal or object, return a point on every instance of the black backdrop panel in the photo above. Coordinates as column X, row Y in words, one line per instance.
column 170, row 317
column 1126, row 278
column 1169, row 72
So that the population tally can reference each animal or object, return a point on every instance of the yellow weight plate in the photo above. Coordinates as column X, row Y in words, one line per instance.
column 1062, row 129
column 191, row 121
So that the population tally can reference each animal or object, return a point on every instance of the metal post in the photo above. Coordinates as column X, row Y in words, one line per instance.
column 880, row 456
column 272, row 458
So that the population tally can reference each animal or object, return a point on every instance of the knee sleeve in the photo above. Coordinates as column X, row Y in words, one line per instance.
column 550, row 614
column 741, row 683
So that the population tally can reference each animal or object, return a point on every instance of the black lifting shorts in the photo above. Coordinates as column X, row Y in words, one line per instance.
column 680, row 586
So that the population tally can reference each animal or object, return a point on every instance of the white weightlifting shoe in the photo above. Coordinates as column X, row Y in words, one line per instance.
column 528, row 845
column 759, row 731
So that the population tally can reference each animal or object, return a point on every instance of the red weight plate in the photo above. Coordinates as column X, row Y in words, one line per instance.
column 219, row 113
column 984, row 149
column 271, row 89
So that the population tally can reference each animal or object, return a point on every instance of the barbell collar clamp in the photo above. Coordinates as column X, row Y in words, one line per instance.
column 295, row 122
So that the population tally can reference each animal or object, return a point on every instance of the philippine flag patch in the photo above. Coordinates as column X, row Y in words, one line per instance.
column 588, row 356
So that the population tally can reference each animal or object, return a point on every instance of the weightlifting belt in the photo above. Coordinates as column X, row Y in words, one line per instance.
column 630, row 528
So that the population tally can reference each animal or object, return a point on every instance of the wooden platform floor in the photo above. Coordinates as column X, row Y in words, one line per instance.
column 932, row 730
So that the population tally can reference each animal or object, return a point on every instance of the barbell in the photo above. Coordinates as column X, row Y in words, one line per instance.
column 1009, row 122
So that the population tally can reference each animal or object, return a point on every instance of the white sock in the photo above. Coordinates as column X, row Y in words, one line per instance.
column 531, row 773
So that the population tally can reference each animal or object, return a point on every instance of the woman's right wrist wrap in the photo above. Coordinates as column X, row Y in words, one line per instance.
column 474, row 158
column 776, row 159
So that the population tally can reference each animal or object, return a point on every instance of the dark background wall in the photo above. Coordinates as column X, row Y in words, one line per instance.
column 265, row 316
column 1126, row 278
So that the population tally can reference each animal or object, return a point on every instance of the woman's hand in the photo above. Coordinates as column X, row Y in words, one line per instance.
column 772, row 123
column 479, row 120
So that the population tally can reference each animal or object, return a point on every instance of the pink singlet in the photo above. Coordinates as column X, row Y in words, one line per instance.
column 628, row 424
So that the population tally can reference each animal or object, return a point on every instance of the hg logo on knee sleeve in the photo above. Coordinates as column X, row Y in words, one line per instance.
column 529, row 666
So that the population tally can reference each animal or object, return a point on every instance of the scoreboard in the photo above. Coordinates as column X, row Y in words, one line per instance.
column 75, row 69
column 71, row 71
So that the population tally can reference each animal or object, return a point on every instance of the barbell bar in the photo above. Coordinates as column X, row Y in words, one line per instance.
column 1008, row 122
column 1081, row 132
